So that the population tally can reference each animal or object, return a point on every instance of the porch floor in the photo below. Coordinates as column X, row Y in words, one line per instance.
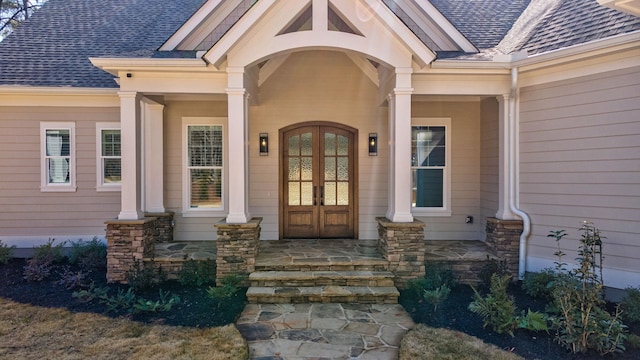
column 325, row 251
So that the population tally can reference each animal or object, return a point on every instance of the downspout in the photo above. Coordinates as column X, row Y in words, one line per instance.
column 514, row 171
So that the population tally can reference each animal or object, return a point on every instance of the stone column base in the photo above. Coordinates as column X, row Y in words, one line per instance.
column 164, row 225
column 238, row 246
column 503, row 237
column 128, row 241
column 402, row 244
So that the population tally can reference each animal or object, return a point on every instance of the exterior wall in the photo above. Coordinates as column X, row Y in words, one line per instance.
column 489, row 157
column 580, row 159
column 317, row 86
column 30, row 217
column 186, row 228
column 465, row 171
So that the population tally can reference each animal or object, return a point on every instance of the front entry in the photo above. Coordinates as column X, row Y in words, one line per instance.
column 318, row 181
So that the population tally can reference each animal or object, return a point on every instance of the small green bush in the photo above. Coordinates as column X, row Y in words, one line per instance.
column 436, row 276
column 437, row 296
column 492, row 267
column 142, row 275
column 167, row 300
column 90, row 255
column 539, row 284
column 630, row 305
column 228, row 287
column 198, row 272
column 6, row 252
column 49, row 253
column 122, row 301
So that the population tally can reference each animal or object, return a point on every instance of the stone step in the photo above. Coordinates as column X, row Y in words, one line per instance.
column 323, row 294
column 321, row 278
column 323, row 265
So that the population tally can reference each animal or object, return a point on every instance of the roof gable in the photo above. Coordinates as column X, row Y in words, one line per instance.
column 265, row 30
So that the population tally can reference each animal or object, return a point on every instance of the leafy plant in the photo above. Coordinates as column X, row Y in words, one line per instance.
column 72, row 280
column 582, row 322
column 630, row 305
column 6, row 252
column 437, row 296
column 92, row 293
column 436, row 276
column 163, row 304
column 91, row 255
column 198, row 273
column 493, row 267
column 123, row 300
column 539, row 284
column 532, row 321
column 497, row 309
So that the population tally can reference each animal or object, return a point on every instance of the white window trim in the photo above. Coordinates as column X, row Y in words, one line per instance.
column 100, row 185
column 45, row 186
column 187, row 211
column 445, row 210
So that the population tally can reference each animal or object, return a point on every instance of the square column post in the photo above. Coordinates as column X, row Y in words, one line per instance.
column 131, row 160
column 400, row 148
column 238, row 144
column 153, row 156
column 504, row 176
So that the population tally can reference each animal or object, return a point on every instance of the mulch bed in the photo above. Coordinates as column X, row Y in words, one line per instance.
column 195, row 309
column 453, row 314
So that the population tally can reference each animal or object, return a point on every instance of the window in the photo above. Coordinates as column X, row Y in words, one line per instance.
column 109, row 162
column 430, row 166
column 57, row 144
column 204, row 173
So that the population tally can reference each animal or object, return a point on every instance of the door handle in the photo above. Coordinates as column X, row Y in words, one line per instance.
column 315, row 198
column 321, row 195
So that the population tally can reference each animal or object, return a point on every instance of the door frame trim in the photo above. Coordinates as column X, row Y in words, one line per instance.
column 281, row 186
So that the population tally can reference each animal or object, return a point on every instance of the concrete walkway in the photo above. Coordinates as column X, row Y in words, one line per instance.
column 323, row 331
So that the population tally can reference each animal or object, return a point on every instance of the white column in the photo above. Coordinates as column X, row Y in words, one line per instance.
column 391, row 195
column 131, row 194
column 504, row 210
column 400, row 154
column 237, row 136
column 153, row 156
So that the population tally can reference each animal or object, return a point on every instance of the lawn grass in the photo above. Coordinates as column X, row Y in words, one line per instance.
column 32, row 332
column 425, row 343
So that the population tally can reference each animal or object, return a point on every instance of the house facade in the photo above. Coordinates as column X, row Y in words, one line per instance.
column 318, row 117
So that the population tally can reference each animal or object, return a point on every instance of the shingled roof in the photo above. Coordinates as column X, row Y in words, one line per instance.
column 53, row 47
column 576, row 22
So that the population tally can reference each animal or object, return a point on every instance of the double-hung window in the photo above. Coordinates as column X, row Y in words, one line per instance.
column 109, row 160
column 430, row 166
column 204, row 173
column 58, row 163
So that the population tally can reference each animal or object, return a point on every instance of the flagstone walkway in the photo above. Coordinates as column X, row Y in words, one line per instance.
column 323, row 331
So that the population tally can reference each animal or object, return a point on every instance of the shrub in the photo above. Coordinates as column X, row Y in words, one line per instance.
column 493, row 267
column 93, row 293
column 36, row 271
column 143, row 276
column 539, row 284
column 122, row 301
column 630, row 305
column 72, row 280
column 228, row 287
column 49, row 253
column 90, row 255
column 198, row 273
column 5, row 252
column 582, row 322
column 436, row 276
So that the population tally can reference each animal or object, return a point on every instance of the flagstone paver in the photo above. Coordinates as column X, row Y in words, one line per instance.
column 324, row 331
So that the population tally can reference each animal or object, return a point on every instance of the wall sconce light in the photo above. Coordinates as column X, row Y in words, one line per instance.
column 373, row 144
column 264, row 144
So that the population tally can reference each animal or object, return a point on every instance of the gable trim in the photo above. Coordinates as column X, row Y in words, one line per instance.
column 188, row 27
column 217, row 55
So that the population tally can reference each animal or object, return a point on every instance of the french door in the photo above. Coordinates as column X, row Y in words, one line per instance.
column 318, row 194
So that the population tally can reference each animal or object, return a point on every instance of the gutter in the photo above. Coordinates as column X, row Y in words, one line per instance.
column 514, row 171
